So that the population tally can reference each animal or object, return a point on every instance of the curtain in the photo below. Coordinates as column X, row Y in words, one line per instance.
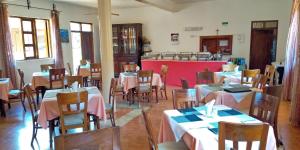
column 6, row 46
column 292, row 66
column 59, row 62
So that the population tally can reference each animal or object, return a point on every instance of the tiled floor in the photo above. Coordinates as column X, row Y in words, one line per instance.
column 15, row 130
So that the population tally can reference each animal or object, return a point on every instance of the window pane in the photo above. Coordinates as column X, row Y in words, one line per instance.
column 76, row 48
column 17, row 39
column 75, row 26
column 27, row 26
column 29, row 51
column 28, row 39
column 41, row 33
column 86, row 27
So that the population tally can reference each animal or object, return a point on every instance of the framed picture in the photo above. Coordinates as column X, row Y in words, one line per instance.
column 175, row 38
column 64, row 34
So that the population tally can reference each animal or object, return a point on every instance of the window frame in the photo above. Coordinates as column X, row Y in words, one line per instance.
column 34, row 37
column 80, row 23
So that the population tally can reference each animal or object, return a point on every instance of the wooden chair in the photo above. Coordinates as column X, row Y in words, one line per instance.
column 184, row 84
column 71, row 79
column 70, row 69
column 129, row 67
column 265, row 107
column 269, row 72
column 243, row 132
column 18, row 94
column 153, row 145
column 1, row 73
column 56, row 78
column 96, row 78
column 277, row 92
column 184, row 98
column 83, row 62
column 144, row 88
column 47, row 67
column 33, row 110
column 113, row 92
column 163, row 76
column 73, row 118
column 121, row 65
column 248, row 76
column 205, row 77
column 259, row 81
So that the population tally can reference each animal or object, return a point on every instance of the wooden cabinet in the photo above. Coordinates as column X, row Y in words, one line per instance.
column 127, row 45
column 213, row 44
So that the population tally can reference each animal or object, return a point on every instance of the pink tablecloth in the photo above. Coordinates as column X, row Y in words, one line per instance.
column 196, row 135
column 49, row 108
column 182, row 69
column 5, row 86
column 240, row 101
column 130, row 81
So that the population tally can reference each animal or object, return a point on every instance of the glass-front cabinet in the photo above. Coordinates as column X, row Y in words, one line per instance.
column 127, row 45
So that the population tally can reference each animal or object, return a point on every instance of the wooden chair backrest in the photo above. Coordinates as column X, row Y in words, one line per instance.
column 259, row 81
column 30, row 98
column 22, row 82
column 57, row 75
column 129, row 67
column 228, row 67
column 150, row 132
column 71, row 79
column 70, row 69
column 264, row 107
column 184, row 98
column 248, row 76
column 78, row 71
column 83, row 62
column 47, row 67
column 163, row 73
column 269, row 72
column 243, row 132
column 95, row 69
column 112, row 89
column 73, row 98
column 205, row 77
column 144, row 77
column 184, row 84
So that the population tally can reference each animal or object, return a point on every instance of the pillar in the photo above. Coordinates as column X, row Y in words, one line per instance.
column 106, row 49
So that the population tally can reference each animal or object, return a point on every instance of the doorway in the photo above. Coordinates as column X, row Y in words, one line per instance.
column 263, row 44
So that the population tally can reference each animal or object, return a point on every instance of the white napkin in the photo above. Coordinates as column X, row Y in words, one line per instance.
column 209, row 107
column 236, row 68
column 74, row 85
column 137, row 68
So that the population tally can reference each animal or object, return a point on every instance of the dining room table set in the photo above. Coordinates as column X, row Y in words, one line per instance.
column 198, row 127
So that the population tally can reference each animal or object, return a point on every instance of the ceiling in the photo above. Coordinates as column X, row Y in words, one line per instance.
column 122, row 3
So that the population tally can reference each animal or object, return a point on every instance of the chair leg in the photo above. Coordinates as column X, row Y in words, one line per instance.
column 165, row 90
column 51, row 129
column 9, row 106
column 2, row 108
column 33, row 134
column 23, row 102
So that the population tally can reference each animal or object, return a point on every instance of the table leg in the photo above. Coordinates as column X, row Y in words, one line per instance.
column 156, row 90
column 2, row 108
column 51, row 129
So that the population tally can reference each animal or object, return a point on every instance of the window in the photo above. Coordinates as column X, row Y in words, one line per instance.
column 82, row 42
column 30, row 38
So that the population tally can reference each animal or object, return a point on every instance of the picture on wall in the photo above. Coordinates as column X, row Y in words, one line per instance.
column 64, row 34
column 175, row 38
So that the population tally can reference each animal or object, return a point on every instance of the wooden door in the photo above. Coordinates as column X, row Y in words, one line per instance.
column 87, row 46
column 263, row 44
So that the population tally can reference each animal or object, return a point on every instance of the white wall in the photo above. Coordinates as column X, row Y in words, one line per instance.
column 68, row 13
column 159, row 24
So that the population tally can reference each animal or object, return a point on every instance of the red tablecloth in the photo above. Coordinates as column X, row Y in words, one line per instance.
column 182, row 69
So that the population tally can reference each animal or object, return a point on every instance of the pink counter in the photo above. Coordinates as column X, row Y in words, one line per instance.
column 182, row 69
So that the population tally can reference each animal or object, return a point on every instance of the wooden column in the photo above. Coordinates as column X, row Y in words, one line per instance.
column 106, row 49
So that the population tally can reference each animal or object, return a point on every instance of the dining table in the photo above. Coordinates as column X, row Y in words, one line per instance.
column 238, row 100
column 5, row 87
column 199, row 130
column 49, row 110
column 232, row 77
column 128, row 80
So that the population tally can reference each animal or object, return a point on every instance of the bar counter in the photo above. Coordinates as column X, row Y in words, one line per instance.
column 182, row 69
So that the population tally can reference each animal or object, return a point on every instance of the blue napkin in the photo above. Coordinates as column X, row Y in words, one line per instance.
column 214, row 127
column 189, row 111
column 187, row 118
column 228, row 112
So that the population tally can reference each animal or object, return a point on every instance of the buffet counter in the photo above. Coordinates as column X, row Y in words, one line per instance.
column 182, row 69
